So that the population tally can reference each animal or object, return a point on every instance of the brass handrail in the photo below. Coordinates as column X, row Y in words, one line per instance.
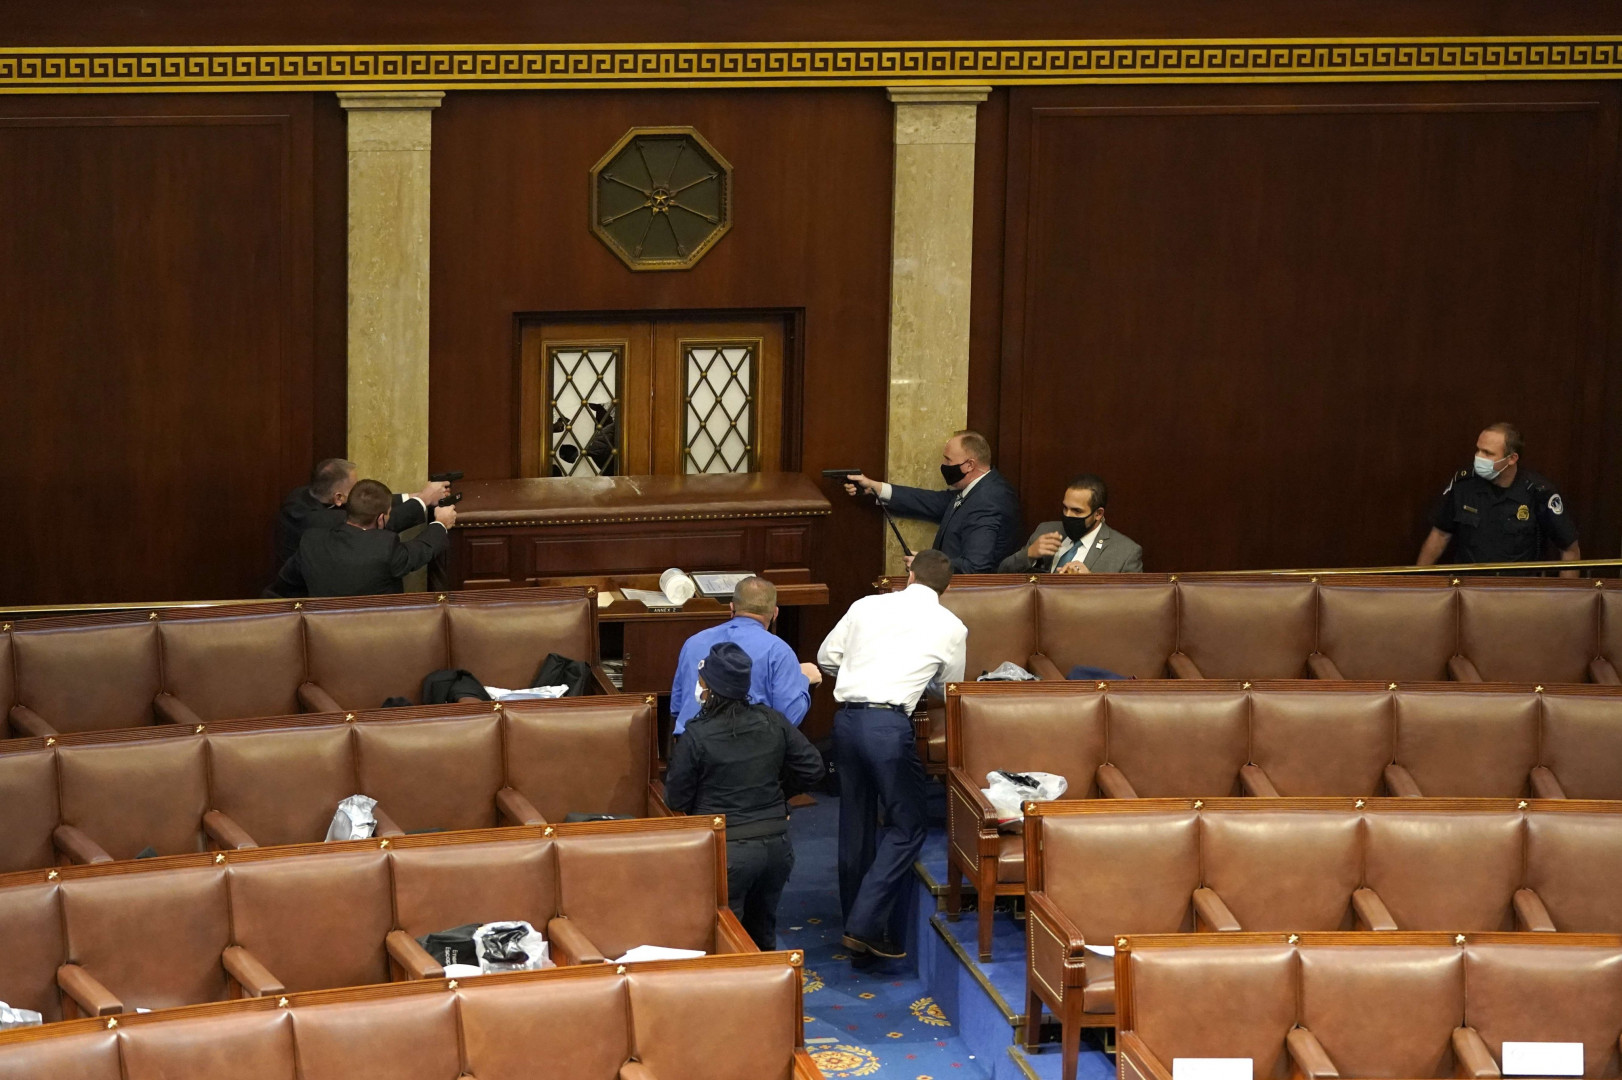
column 1444, row 569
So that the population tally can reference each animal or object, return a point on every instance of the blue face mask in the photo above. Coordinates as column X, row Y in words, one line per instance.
column 1488, row 469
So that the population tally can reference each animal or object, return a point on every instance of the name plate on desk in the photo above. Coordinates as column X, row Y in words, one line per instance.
column 517, row 532
column 1543, row 1059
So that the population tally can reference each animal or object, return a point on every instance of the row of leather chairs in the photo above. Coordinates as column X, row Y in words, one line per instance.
column 99, row 796
column 1327, row 1005
column 720, row 1018
column 1270, row 627
column 1177, row 866
column 1162, row 739
column 190, row 665
column 186, row 929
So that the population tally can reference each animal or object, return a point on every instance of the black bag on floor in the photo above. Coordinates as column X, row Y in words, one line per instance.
column 558, row 670
column 453, row 946
column 451, row 685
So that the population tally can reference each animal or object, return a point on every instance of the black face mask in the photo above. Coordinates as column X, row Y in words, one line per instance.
column 952, row 473
column 1076, row 527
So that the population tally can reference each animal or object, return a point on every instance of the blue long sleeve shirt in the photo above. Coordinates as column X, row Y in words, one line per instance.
column 775, row 680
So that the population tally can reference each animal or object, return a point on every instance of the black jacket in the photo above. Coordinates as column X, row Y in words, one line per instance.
column 976, row 536
column 351, row 561
column 302, row 511
column 733, row 760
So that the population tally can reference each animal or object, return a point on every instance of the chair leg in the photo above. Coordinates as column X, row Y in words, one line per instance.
column 1070, row 1036
column 986, row 903
column 954, row 889
column 1033, row 1020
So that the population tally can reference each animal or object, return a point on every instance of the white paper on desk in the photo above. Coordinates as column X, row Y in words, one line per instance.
column 1101, row 950
column 1543, row 1059
column 649, row 598
column 1212, row 1069
column 643, row 953
column 534, row 693
column 462, row 971
column 718, row 585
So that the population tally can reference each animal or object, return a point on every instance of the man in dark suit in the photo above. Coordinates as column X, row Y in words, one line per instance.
column 361, row 557
column 978, row 512
column 320, row 505
column 1079, row 542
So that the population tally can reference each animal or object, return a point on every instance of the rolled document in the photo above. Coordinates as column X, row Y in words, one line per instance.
column 677, row 586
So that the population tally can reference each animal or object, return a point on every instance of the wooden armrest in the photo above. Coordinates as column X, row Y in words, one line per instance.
column 1601, row 670
column 1401, row 782
column 92, row 998
column 1473, row 1058
column 635, row 1070
column 517, row 809
column 570, row 945
column 226, row 833
column 385, row 824
column 1212, row 913
column 1038, row 904
column 959, row 781
column 804, row 1067
column 1460, row 669
column 30, row 723
column 171, row 710
column 311, row 698
column 412, row 958
column 1045, row 669
column 254, row 978
column 1545, row 785
column 1114, row 784
column 1256, row 783
column 76, row 844
column 730, row 934
column 1371, row 911
column 1309, row 1055
column 1322, row 667
column 1531, row 913
column 657, row 807
column 1182, row 667
column 599, row 677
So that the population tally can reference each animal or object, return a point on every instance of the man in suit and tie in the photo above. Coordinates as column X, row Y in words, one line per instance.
column 978, row 512
column 1079, row 542
column 320, row 504
column 362, row 556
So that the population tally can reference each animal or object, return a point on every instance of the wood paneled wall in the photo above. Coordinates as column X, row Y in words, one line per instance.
column 811, row 233
column 1274, row 318
column 161, row 340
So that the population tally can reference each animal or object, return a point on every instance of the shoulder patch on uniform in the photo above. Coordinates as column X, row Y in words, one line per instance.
column 1555, row 505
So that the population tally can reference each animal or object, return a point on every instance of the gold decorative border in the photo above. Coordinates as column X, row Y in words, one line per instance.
column 1004, row 63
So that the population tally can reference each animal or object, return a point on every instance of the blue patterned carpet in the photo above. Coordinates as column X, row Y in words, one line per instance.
column 879, row 1022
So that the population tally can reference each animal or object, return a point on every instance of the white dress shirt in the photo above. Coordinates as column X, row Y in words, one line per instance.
column 886, row 490
column 890, row 647
column 1079, row 547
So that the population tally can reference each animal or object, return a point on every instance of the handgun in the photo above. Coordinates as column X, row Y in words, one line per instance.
column 842, row 475
column 450, row 500
column 445, row 478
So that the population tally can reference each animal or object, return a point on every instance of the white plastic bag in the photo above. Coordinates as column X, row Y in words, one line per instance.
column 510, row 946
column 643, row 953
column 1007, row 671
column 16, row 1018
column 1010, row 791
column 354, row 820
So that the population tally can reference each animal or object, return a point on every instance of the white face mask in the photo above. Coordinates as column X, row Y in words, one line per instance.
column 700, row 694
column 1488, row 469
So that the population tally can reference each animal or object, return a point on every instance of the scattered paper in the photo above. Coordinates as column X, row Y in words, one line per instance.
column 1101, row 950
column 1212, row 1069
column 652, row 599
column 718, row 585
column 1543, row 1058
column 533, row 693
column 462, row 971
column 643, row 953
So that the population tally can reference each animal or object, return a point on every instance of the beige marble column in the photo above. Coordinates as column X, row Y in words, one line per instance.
column 932, row 247
column 389, row 143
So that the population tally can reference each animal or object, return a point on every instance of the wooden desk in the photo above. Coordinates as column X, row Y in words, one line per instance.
column 519, row 532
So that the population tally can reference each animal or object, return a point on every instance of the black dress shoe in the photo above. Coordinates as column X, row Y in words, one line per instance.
column 883, row 947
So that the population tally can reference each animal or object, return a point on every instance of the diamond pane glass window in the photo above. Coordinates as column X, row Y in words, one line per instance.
column 719, row 434
column 584, row 411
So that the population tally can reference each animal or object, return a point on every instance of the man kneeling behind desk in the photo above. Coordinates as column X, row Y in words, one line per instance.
column 361, row 557
column 732, row 760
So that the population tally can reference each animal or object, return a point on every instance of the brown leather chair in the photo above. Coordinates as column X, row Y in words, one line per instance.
column 83, row 673
column 1609, row 661
column 1447, row 871
column 1534, row 993
column 1526, row 630
column 149, row 940
column 462, row 756
column 312, row 923
column 257, row 1045
column 1579, row 744
column 1128, row 626
column 715, row 1023
column 29, row 806
column 282, row 785
column 504, row 641
column 1385, row 1012
column 508, row 1029
column 1278, row 870
column 118, row 800
column 1573, row 870
column 361, row 657
column 8, row 695
column 83, row 1055
column 1245, row 628
column 582, row 760
column 1386, row 629
column 397, row 1038
column 231, row 664
column 442, row 887
column 1183, row 742
column 1469, row 744
column 1318, row 742
column 32, row 916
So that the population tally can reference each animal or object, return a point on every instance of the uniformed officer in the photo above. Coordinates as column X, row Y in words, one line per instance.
column 1498, row 511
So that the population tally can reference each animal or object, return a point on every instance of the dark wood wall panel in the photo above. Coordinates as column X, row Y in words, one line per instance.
column 140, row 22
column 811, row 232
column 1275, row 318
column 156, row 341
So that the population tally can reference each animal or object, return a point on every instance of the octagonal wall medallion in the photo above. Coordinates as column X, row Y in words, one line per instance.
column 661, row 197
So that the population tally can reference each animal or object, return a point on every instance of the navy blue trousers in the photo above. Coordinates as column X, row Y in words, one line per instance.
column 878, row 769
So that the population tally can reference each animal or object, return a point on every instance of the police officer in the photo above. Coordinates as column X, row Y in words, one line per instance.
column 1498, row 511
